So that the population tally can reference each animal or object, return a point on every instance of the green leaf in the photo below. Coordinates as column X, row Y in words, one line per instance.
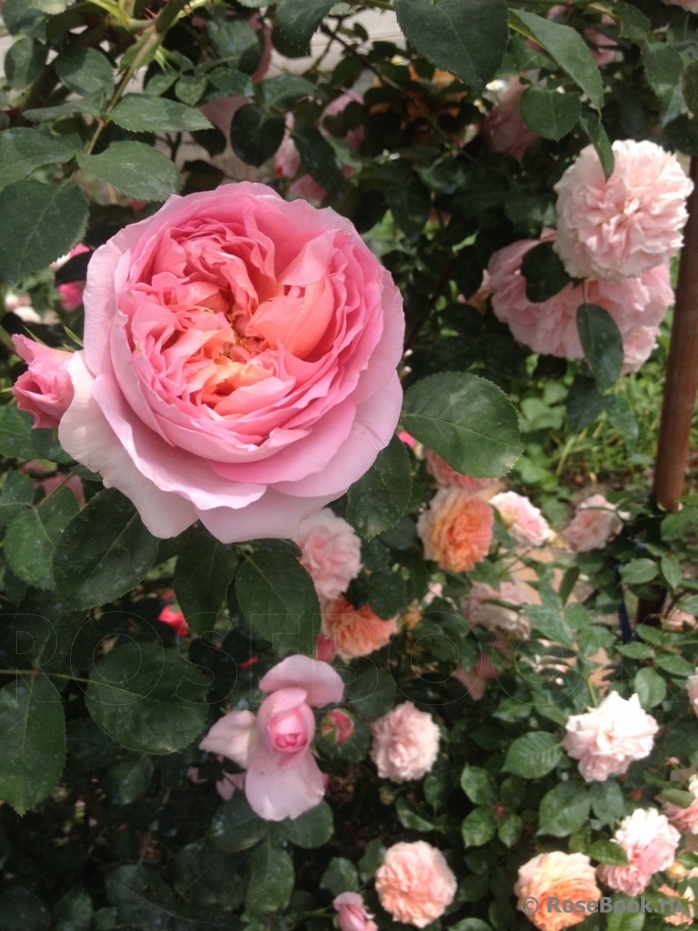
column 17, row 495
column 16, row 436
column 32, row 731
column 147, row 698
column 128, row 779
column 510, row 829
column 84, row 71
column 674, row 665
column 650, row 688
column 565, row 46
column 104, row 552
column 285, row 90
column 340, row 876
column 31, row 537
column 544, row 273
column 466, row 38
column 256, row 134
column 24, row 62
column 73, row 911
column 21, row 910
column 564, row 809
column 412, row 816
column 204, row 876
column 552, row 625
column 478, row 785
column 467, row 420
column 298, row 19
column 550, row 114
column 139, row 113
column 382, row 495
column 22, row 150
column 681, row 525
column 271, row 879
column 678, row 797
column 670, row 565
column 471, row 924
column 634, row 25
column 41, row 223
column 204, row 570
column 623, row 419
column 638, row 571
column 479, row 827
column 584, row 403
column 689, row 82
column 533, row 755
column 625, row 919
column 372, row 693
column 190, row 88
column 235, row 826
column 319, row 159
column 143, row 900
column 594, row 128
column 601, row 342
column 94, row 104
column 387, row 594
column 606, row 851
column 135, row 169
column 607, row 801
column 663, row 69
column 311, row 829
column 278, row 599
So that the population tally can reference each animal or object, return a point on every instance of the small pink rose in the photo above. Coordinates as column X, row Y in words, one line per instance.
column 352, row 914
column 45, row 390
column 337, row 727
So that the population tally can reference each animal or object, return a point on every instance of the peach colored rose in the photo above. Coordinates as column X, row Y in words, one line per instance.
column 522, row 519
column 282, row 778
column 415, row 884
column 565, row 876
column 352, row 914
column 405, row 743
column 649, row 842
column 331, row 552
column 355, row 631
column 692, row 688
column 239, row 364
column 45, row 389
column 456, row 529
column 483, row 608
column 623, row 227
column 504, row 129
column 607, row 739
column 637, row 305
column 446, row 477
column 684, row 907
column 684, row 819
column 595, row 523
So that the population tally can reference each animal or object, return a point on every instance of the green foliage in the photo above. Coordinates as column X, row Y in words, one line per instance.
column 381, row 497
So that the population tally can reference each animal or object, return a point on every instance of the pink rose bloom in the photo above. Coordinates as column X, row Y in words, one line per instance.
column 595, row 523
column 331, row 552
column 446, row 477
column 45, row 390
column 71, row 292
column 504, row 129
column 287, row 160
column 607, row 739
column 684, row 820
column 405, row 743
column 337, row 727
column 415, row 884
column 239, row 363
column 637, row 305
column 475, row 679
column 482, row 610
column 352, row 914
column 565, row 876
column 456, row 529
column 354, row 631
column 282, row 779
column 650, row 843
column 524, row 522
column 690, row 5
column 692, row 687
column 623, row 227
column 229, row 784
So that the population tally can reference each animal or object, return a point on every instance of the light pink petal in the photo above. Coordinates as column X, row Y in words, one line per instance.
column 275, row 793
column 235, row 735
column 275, row 516
column 85, row 435
column 321, row 683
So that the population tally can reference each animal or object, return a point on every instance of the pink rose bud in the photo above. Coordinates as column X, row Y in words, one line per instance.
column 325, row 648
column 337, row 727
column 352, row 914
column 290, row 723
column 175, row 619
column 45, row 390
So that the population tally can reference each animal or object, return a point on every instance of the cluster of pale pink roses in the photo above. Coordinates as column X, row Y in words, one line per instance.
column 615, row 237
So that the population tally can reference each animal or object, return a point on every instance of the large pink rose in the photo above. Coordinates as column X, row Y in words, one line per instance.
column 239, row 363
column 282, row 779
column 45, row 389
column 649, row 842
